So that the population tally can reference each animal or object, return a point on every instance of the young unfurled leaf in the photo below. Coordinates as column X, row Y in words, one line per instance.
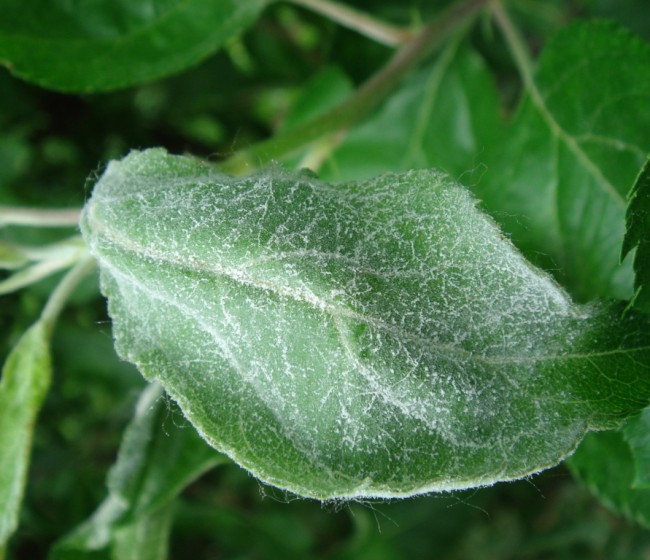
column 25, row 380
column 379, row 338
column 638, row 235
column 159, row 456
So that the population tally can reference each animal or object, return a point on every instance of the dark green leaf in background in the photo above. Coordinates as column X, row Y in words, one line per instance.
column 615, row 466
column 362, row 339
column 109, row 44
column 444, row 116
column 637, row 434
column 322, row 92
column 559, row 179
column 634, row 14
column 638, row 235
column 605, row 463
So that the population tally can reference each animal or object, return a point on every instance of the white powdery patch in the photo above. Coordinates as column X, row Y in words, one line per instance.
column 383, row 335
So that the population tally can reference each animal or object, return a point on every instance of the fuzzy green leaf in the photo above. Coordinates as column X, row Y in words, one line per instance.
column 365, row 339
column 638, row 235
column 108, row 44
column 25, row 380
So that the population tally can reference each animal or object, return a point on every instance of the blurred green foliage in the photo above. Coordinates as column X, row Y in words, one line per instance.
column 51, row 144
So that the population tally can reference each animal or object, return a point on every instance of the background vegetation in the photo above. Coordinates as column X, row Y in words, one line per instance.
column 52, row 146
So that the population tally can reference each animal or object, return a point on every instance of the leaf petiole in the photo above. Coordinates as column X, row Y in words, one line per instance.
column 46, row 261
column 518, row 49
column 365, row 24
column 61, row 217
column 63, row 291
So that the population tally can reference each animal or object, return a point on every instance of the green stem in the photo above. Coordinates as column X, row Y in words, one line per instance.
column 63, row 291
column 320, row 151
column 63, row 217
column 361, row 103
column 365, row 24
column 517, row 47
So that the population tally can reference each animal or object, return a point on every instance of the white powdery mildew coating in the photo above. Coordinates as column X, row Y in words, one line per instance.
column 371, row 339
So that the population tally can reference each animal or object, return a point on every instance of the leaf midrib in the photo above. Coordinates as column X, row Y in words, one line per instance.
column 557, row 131
column 336, row 312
